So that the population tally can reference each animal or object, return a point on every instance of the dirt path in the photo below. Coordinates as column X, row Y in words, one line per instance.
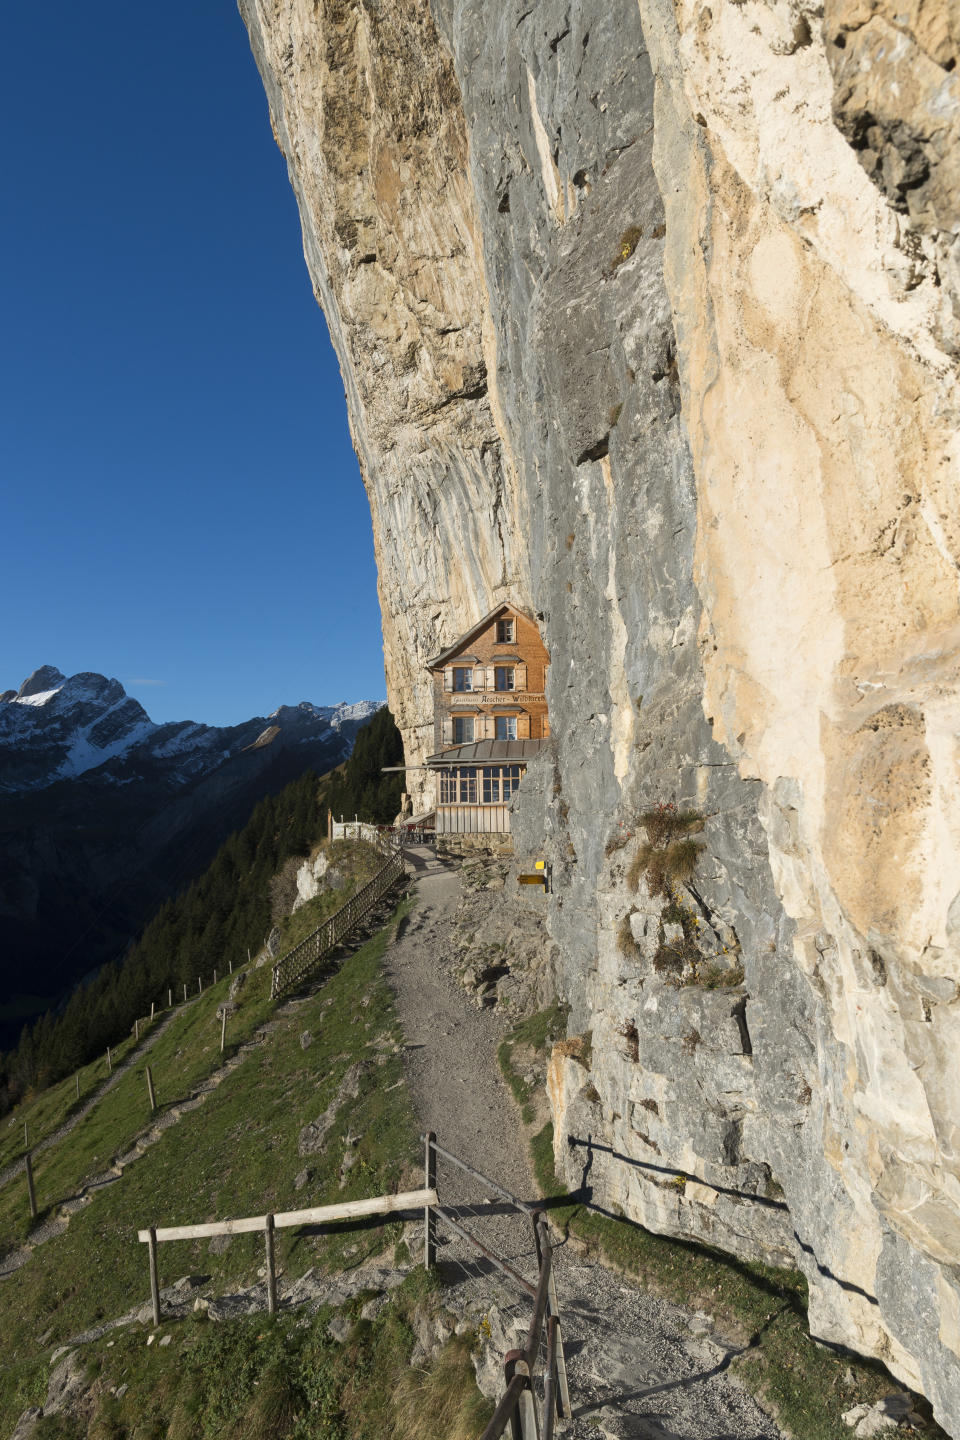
column 640, row 1369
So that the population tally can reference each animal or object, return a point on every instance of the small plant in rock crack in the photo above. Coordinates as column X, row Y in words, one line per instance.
column 629, row 241
column 626, row 944
column 631, row 1038
column 618, row 839
column 669, row 855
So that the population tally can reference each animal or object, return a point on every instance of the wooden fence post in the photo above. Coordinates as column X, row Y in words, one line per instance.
column 184, row 992
column 25, row 1140
column 199, row 985
column 31, row 1192
column 136, row 1029
column 214, row 977
column 154, row 1281
column 429, row 1183
column 78, row 1084
column 230, row 963
column 109, row 1062
column 223, row 1028
column 271, row 1268
column 169, row 999
column 151, row 1012
column 153, row 1098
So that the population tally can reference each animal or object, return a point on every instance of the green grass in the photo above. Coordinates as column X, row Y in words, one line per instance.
column 357, row 862
column 235, row 1155
column 46, row 1111
column 263, row 1379
column 186, row 1054
column 533, row 1033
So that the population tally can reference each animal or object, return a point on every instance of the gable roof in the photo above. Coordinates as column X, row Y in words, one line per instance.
column 474, row 630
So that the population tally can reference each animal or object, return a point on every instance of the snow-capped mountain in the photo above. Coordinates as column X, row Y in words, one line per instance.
column 54, row 728
column 103, row 814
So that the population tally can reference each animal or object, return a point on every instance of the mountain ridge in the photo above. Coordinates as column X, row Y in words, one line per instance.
column 106, row 813
column 56, row 728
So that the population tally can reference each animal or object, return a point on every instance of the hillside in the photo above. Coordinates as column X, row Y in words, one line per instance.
column 106, row 814
column 227, row 911
column 320, row 1099
column 224, row 1140
column 647, row 315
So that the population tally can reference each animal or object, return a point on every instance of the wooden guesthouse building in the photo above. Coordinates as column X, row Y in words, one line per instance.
column 490, row 720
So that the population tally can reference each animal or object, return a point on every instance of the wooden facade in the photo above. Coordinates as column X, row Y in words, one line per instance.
column 490, row 718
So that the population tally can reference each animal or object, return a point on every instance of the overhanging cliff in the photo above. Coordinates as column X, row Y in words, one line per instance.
column 646, row 318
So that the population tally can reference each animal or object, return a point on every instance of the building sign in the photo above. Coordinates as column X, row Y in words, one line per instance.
column 474, row 698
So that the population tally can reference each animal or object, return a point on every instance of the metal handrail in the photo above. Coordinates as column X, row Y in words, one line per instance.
column 518, row 1407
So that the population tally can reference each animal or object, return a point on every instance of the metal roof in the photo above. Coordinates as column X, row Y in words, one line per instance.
column 486, row 752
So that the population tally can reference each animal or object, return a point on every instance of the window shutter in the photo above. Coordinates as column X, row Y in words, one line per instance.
column 520, row 677
column 490, row 678
column 523, row 726
column 448, row 729
column 480, row 678
column 489, row 727
column 448, row 678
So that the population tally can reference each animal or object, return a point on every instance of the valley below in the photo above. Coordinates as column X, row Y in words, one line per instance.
column 105, row 815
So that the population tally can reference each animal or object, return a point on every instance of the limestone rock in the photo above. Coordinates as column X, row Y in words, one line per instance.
column 645, row 318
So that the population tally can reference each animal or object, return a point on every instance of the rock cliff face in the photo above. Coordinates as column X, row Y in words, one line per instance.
column 648, row 321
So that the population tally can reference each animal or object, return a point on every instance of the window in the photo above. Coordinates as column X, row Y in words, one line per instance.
column 500, row 782
column 462, row 729
column 506, row 727
column 505, row 634
column 468, row 786
column 447, row 788
column 503, row 677
column 511, row 779
column 462, row 678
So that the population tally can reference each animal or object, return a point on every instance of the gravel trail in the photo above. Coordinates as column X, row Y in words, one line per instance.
column 639, row 1368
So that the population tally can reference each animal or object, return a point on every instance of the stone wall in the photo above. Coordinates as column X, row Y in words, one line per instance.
column 645, row 313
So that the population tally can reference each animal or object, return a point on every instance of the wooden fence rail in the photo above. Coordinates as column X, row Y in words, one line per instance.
column 266, row 1224
column 305, row 958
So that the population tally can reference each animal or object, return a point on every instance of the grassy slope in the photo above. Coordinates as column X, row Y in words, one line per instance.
column 804, row 1384
column 235, row 1155
column 44, row 1112
column 184, row 1056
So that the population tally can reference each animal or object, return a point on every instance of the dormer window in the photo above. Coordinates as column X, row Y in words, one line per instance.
column 462, row 677
column 505, row 632
column 504, row 677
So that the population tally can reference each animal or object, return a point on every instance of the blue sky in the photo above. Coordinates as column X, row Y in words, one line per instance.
column 180, row 505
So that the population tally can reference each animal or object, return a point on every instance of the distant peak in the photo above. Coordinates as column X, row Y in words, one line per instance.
column 47, row 678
